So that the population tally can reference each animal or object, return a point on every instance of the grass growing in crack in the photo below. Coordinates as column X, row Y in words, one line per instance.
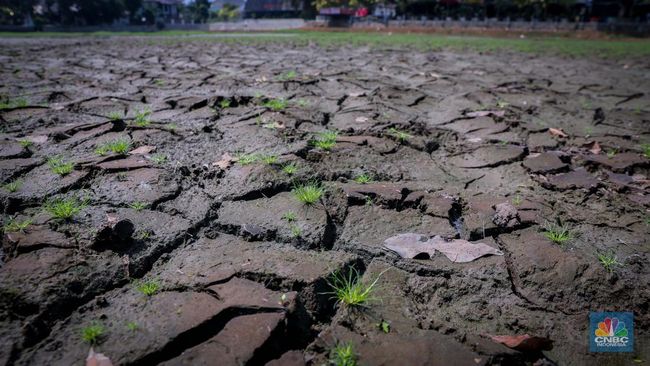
column 247, row 159
column 15, row 226
column 343, row 355
column 25, row 143
column 608, row 260
column 92, row 334
column 158, row 158
column 290, row 168
column 141, row 118
column 132, row 326
column 325, row 140
column 349, row 290
column 289, row 216
column 363, row 178
column 119, row 146
column 646, row 150
column 149, row 287
column 276, row 104
column 289, row 75
column 296, row 232
column 224, row 104
column 400, row 135
column 611, row 153
column 557, row 233
column 309, row 193
column 143, row 235
column 517, row 200
column 138, row 206
column 115, row 116
column 12, row 186
column 16, row 103
column 384, row 326
column 269, row 159
column 65, row 208
column 59, row 166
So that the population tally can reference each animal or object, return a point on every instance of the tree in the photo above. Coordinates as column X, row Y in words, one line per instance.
column 199, row 10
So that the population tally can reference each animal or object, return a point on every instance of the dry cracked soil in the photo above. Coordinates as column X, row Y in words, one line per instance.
column 192, row 248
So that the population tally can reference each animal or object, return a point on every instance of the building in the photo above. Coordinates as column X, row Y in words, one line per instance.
column 167, row 11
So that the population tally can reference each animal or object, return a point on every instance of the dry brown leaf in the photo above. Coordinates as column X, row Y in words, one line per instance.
column 410, row 245
column 225, row 162
column 524, row 343
column 97, row 359
column 557, row 132
column 594, row 147
column 142, row 150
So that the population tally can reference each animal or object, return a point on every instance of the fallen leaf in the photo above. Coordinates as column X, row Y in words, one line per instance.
column 410, row 245
column 524, row 343
column 97, row 359
column 225, row 162
column 142, row 150
column 485, row 113
column 557, row 132
column 361, row 119
column 594, row 147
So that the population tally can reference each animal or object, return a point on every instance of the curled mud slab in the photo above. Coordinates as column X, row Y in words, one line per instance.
column 184, row 253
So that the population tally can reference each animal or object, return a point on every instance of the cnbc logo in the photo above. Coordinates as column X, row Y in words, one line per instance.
column 611, row 332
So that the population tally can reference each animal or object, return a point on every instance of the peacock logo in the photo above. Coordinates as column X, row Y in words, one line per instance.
column 611, row 327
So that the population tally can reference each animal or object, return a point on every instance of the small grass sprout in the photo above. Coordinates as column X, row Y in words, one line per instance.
column 142, row 118
column 225, row 104
column 309, row 193
column 25, row 143
column 349, row 290
column 120, row 146
column 384, row 326
column 59, row 166
column 558, row 233
column 158, row 158
column 269, row 159
column 143, row 235
column 15, row 226
column 608, row 260
column 92, row 334
column 65, row 208
column 149, row 287
column 325, row 140
column 12, row 186
column 289, row 216
column 276, row 104
column 296, row 232
column 138, row 206
column 290, row 168
column 517, row 200
column 343, row 355
column 611, row 153
column 115, row 116
column 400, row 135
column 363, row 178
column 288, row 75
column 247, row 159
column 132, row 326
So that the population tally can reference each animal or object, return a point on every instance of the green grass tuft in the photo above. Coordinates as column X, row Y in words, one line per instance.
column 247, row 159
column 308, row 193
column 343, row 355
column 290, row 168
column 349, row 290
column 92, row 334
column 269, row 159
column 558, row 234
column 138, row 206
column 325, row 140
column 13, row 186
column 400, row 135
column 65, row 208
column 25, row 143
column 363, row 178
column 149, row 287
column 59, row 166
column 276, row 104
column 115, row 116
column 141, row 118
column 289, row 216
column 119, row 146
column 608, row 260
column 224, row 104
column 15, row 226
column 646, row 150
column 158, row 158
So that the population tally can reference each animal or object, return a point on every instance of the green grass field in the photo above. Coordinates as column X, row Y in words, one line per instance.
column 614, row 48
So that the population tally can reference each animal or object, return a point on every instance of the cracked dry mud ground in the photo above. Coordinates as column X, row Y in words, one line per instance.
column 241, row 285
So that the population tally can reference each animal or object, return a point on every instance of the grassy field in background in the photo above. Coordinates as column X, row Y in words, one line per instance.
column 615, row 48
